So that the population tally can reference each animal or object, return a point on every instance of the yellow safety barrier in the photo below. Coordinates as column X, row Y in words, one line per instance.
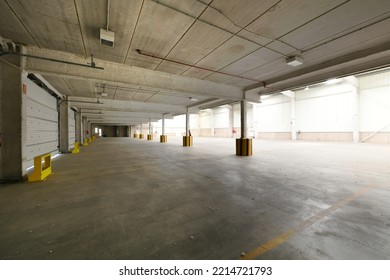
column 141, row 136
column 163, row 139
column 76, row 148
column 187, row 141
column 93, row 137
column 149, row 137
column 89, row 140
column 41, row 171
column 85, row 143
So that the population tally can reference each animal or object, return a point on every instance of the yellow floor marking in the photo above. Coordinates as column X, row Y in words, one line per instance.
column 291, row 232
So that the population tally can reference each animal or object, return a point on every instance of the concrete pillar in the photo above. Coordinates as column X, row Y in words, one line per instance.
column 64, row 127
column 243, row 119
column 150, row 134
column 293, row 130
column 163, row 137
column 291, row 95
column 78, row 127
column 354, row 83
column 141, row 135
column 11, row 118
column 187, row 140
column 243, row 144
column 187, row 123
column 231, row 121
column 212, row 129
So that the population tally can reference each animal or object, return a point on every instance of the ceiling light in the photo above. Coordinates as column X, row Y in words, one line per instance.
column 193, row 99
column 104, row 94
column 107, row 37
column 294, row 61
column 306, row 88
column 332, row 81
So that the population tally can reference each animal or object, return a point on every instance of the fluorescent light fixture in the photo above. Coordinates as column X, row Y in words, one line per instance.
column 306, row 88
column 107, row 37
column 294, row 61
column 332, row 81
column 193, row 99
column 104, row 94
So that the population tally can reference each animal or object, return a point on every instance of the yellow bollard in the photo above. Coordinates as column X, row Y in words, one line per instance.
column 85, row 143
column 76, row 148
column 41, row 171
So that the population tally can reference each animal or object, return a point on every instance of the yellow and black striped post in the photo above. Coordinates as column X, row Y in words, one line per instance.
column 141, row 136
column 243, row 147
column 149, row 137
column 187, row 141
column 136, row 135
column 163, row 138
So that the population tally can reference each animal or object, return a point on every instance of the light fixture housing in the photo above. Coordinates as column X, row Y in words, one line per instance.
column 294, row 60
column 107, row 37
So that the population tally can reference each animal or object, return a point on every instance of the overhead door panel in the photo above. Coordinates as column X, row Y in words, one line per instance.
column 71, row 128
column 41, row 123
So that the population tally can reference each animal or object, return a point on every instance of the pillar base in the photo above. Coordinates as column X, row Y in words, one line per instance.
column 149, row 137
column 163, row 138
column 187, row 141
column 243, row 147
column 141, row 136
column 136, row 135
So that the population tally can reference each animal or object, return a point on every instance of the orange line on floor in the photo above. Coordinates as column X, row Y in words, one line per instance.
column 269, row 245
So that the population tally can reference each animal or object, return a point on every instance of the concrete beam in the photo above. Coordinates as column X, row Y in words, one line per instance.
column 120, row 105
column 373, row 58
column 130, row 75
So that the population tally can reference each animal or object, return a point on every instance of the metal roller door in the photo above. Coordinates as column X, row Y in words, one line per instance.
column 41, row 123
column 71, row 128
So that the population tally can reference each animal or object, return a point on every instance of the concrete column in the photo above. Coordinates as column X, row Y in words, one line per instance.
column 243, row 144
column 64, row 127
column 78, row 127
column 141, row 135
column 187, row 123
column 150, row 133
column 11, row 118
column 243, row 119
column 354, row 83
column 293, row 130
column 231, row 121
column 163, row 125
column 212, row 129
column 187, row 140
column 291, row 95
column 163, row 137
column 254, row 120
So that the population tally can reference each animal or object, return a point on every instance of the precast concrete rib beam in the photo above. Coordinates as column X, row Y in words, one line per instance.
column 127, row 106
column 362, row 61
column 122, row 73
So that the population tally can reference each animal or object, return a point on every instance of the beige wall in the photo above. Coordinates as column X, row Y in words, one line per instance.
column 325, row 136
column 381, row 137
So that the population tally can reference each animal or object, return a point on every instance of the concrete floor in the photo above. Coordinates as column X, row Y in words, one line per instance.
column 122, row 198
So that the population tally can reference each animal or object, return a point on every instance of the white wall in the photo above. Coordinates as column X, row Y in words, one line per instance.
column 375, row 102
column 324, row 109
column 274, row 114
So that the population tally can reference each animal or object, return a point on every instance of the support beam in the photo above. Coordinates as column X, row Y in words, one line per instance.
column 354, row 84
column 368, row 59
column 11, row 121
column 231, row 121
column 64, row 128
column 187, row 140
column 115, row 72
column 212, row 129
column 243, row 144
column 163, row 137
column 78, row 127
column 291, row 95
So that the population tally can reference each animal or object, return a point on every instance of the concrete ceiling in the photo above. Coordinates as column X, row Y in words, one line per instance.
column 195, row 50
